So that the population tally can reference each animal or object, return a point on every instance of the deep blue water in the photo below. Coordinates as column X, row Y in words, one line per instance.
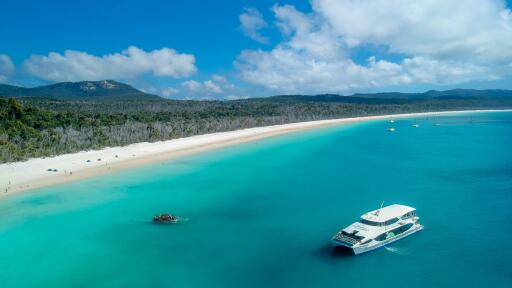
column 262, row 214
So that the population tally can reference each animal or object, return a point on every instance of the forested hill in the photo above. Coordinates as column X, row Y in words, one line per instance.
column 397, row 97
column 84, row 90
column 33, row 126
column 113, row 90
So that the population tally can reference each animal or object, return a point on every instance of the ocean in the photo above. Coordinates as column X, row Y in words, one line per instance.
column 261, row 214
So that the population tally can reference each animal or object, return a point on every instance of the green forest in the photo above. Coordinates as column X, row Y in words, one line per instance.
column 40, row 127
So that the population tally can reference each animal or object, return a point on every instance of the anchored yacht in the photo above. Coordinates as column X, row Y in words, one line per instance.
column 378, row 228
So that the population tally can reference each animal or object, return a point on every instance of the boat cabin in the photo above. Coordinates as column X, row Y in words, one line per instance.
column 388, row 215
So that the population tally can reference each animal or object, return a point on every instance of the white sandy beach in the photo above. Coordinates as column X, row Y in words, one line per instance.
column 21, row 176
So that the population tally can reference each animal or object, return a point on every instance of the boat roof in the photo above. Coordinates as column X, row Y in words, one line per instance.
column 387, row 213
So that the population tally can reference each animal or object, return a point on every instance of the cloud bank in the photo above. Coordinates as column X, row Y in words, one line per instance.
column 6, row 68
column 424, row 42
column 128, row 64
column 251, row 22
column 216, row 85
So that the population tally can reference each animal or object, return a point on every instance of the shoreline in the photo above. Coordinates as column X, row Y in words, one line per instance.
column 16, row 177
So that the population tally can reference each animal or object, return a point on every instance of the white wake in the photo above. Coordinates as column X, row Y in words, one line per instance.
column 396, row 250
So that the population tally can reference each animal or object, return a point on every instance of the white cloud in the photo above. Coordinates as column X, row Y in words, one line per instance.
column 128, row 64
column 219, row 78
column 6, row 68
column 165, row 92
column 192, row 85
column 251, row 22
column 441, row 43
column 211, row 86
column 168, row 91
column 217, row 87
column 236, row 97
column 426, row 70
column 480, row 29
column 206, row 87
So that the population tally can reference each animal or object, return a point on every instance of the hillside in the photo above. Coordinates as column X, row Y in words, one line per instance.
column 397, row 97
column 85, row 90
column 113, row 90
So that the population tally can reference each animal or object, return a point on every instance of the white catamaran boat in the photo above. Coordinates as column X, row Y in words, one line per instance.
column 378, row 228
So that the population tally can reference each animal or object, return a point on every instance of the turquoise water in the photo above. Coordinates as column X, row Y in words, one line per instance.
column 262, row 214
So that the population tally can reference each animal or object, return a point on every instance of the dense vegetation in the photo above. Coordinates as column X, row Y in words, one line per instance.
column 35, row 127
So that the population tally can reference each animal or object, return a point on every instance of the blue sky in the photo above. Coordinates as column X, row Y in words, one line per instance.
column 230, row 49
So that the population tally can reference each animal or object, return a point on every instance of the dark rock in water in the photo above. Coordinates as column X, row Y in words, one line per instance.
column 165, row 218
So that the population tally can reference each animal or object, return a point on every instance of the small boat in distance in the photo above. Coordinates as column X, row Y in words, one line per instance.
column 391, row 129
column 165, row 218
column 391, row 121
column 378, row 228
column 416, row 125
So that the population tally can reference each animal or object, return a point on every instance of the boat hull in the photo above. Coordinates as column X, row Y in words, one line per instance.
column 370, row 247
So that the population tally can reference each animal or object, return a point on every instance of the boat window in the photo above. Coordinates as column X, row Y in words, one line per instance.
column 381, row 237
column 393, row 233
column 389, row 222
column 371, row 223
column 409, row 215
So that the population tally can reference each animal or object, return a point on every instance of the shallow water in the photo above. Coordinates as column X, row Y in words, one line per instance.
column 262, row 214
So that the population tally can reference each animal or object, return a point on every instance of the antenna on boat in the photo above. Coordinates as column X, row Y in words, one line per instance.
column 378, row 211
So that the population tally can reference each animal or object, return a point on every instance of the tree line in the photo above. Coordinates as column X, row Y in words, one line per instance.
column 37, row 127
